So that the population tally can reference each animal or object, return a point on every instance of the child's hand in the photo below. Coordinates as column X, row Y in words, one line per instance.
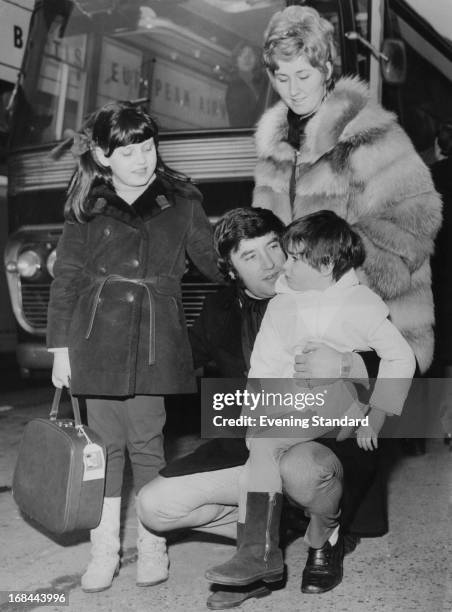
column 356, row 411
column 367, row 435
column 61, row 372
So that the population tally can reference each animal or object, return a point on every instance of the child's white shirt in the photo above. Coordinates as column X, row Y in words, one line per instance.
column 348, row 317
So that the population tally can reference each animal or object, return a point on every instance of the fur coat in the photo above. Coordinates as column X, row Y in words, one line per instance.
column 357, row 161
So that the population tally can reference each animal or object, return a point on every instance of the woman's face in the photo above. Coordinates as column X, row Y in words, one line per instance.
column 246, row 60
column 300, row 85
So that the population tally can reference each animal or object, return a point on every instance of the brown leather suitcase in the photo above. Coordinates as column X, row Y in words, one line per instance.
column 60, row 472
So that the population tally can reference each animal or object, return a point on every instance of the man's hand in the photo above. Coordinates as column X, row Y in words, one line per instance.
column 317, row 360
column 61, row 372
column 367, row 435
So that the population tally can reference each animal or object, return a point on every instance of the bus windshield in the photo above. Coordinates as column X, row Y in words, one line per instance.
column 195, row 64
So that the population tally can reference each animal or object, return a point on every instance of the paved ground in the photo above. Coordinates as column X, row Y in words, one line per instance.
column 407, row 570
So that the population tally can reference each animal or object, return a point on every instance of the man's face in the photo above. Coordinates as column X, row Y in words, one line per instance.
column 258, row 262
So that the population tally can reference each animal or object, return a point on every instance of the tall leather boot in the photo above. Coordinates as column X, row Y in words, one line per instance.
column 258, row 556
column 104, row 564
column 152, row 562
column 232, row 597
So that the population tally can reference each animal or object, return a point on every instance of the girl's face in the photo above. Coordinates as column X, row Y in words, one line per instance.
column 132, row 166
column 300, row 85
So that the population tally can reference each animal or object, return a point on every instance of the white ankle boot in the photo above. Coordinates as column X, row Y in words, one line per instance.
column 104, row 564
column 152, row 563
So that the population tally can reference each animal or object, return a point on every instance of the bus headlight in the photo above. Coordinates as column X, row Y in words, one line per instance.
column 29, row 264
column 51, row 262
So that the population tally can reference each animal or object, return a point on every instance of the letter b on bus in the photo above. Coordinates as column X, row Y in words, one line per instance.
column 18, row 37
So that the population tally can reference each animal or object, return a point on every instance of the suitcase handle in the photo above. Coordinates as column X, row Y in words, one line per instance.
column 56, row 404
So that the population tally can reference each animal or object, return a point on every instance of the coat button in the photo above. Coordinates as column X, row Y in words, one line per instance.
column 102, row 269
column 130, row 297
column 135, row 263
column 107, row 232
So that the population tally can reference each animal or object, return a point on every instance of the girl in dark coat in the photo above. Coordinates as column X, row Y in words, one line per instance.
column 116, row 322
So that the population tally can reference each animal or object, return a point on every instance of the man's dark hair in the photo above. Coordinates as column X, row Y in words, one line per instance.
column 323, row 238
column 242, row 224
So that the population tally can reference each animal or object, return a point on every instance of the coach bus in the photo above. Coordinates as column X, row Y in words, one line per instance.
column 177, row 58
column 14, row 20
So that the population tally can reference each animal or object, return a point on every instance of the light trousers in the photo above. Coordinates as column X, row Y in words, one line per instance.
column 312, row 478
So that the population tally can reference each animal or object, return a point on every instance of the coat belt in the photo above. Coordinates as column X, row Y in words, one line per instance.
column 146, row 283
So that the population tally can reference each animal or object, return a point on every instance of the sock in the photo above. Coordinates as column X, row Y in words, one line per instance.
column 334, row 536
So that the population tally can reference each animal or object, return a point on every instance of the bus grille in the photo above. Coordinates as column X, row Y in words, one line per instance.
column 193, row 296
column 35, row 298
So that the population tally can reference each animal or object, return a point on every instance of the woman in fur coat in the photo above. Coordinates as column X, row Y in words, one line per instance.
column 327, row 145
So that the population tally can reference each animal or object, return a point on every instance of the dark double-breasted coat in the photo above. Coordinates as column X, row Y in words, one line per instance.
column 116, row 301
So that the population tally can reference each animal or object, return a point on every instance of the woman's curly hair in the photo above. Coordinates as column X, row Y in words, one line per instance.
column 295, row 31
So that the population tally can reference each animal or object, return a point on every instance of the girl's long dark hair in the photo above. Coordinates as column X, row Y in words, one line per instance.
column 116, row 124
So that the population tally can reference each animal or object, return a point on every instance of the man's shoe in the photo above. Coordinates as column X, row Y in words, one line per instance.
column 232, row 597
column 323, row 569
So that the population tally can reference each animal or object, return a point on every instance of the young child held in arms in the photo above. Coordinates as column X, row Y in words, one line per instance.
column 319, row 297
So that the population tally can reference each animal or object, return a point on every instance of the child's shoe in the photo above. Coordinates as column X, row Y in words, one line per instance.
column 104, row 564
column 152, row 562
